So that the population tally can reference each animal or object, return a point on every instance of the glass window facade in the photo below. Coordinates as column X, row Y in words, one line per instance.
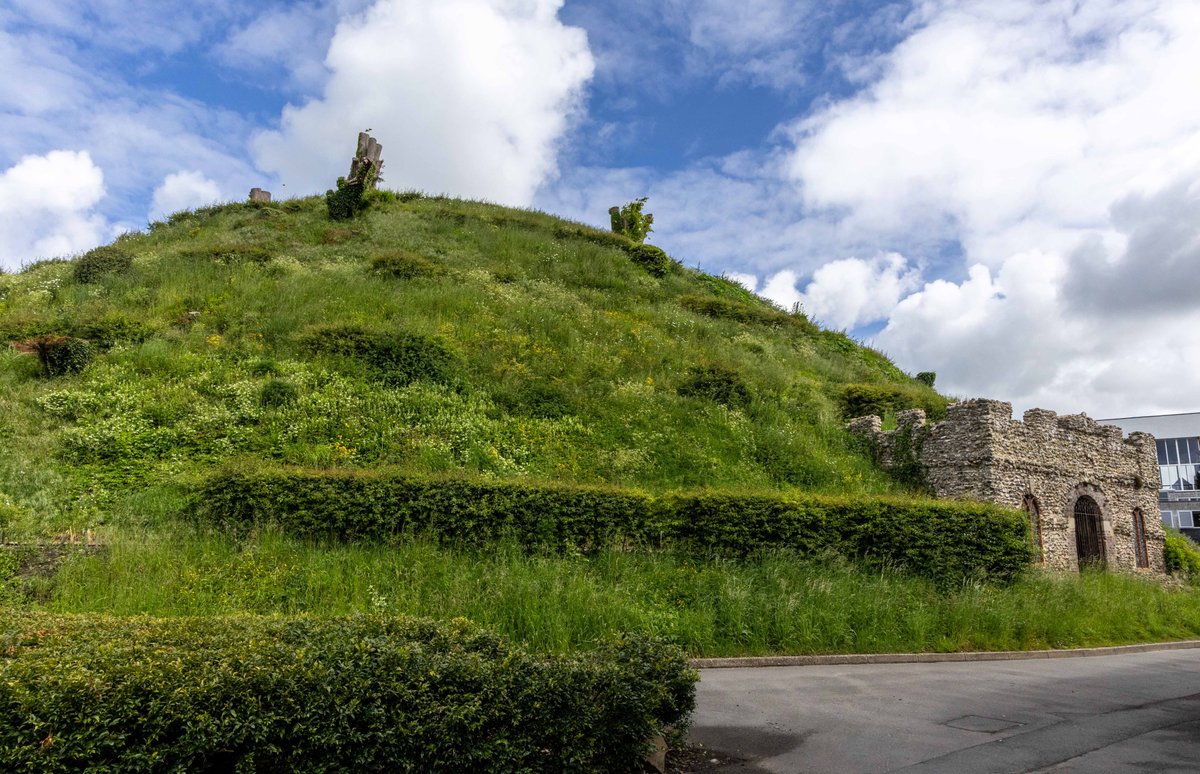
column 1179, row 463
column 1177, row 519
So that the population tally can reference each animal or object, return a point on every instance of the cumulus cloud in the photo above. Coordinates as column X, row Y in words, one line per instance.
column 1057, row 144
column 1011, row 126
column 853, row 292
column 469, row 97
column 47, row 207
column 183, row 190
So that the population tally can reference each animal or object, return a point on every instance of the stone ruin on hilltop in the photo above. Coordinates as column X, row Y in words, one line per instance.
column 1090, row 493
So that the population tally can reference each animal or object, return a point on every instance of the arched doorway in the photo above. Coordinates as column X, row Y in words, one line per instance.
column 1089, row 531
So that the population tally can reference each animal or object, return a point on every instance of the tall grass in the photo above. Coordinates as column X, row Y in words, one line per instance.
column 769, row 605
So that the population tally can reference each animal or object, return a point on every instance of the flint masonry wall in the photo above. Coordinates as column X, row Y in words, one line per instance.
column 980, row 452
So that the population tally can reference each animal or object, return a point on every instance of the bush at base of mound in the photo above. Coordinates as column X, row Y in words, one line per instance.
column 310, row 694
column 946, row 540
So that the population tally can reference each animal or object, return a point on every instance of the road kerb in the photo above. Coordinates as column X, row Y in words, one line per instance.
column 931, row 658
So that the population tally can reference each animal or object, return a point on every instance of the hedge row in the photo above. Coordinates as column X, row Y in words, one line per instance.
column 330, row 694
column 942, row 539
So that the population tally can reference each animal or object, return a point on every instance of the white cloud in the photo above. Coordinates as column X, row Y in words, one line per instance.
column 184, row 190
column 292, row 38
column 1012, row 126
column 853, row 292
column 1059, row 145
column 468, row 97
column 47, row 207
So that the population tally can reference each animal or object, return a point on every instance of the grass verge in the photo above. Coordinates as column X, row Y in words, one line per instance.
column 770, row 604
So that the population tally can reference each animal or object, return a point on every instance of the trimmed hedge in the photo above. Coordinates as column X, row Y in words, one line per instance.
column 323, row 694
column 945, row 540
column 363, row 504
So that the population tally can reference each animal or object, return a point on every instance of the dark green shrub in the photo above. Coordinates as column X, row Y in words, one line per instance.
column 860, row 400
column 399, row 359
column 927, row 378
column 111, row 329
column 62, row 355
column 542, row 400
column 403, row 264
column 345, row 340
column 728, row 309
column 1182, row 557
column 347, row 200
column 716, row 383
column 242, row 693
column 650, row 258
column 278, row 392
column 101, row 262
column 945, row 540
column 265, row 367
column 396, row 359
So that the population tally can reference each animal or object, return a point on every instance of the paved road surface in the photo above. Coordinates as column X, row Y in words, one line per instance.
column 1127, row 713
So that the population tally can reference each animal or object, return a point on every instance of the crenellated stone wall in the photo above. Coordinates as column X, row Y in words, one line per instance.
column 1044, row 463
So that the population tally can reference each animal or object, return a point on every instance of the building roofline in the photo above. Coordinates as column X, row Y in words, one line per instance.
column 1153, row 416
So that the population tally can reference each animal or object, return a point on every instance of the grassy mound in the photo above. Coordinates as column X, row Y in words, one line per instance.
column 428, row 335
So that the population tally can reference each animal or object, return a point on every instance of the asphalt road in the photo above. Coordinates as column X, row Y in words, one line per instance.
column 1128, row 713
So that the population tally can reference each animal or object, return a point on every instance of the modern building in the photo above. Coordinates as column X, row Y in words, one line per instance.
column 1177, row 437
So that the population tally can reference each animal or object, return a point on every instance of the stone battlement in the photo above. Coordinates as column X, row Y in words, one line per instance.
column 1043, row 462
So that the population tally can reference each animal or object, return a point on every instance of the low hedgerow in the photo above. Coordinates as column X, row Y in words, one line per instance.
column 945, row 540
column 362, row 504
column 324, row 694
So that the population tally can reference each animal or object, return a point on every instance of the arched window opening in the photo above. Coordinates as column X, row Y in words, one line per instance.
column 1035, row 524
column 1089, row 531
column 1139, row 538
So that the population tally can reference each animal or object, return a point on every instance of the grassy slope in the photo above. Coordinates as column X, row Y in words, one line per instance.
column 570, row 358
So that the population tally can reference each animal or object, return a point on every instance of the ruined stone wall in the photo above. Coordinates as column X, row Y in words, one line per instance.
column 980, row 452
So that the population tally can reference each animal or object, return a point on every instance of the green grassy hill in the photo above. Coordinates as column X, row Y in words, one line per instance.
column 429, row 335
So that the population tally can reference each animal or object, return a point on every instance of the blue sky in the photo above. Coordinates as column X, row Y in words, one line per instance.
column 1004, row 192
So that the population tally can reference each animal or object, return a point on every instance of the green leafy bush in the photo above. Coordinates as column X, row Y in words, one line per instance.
column 727, row 309
column 399, row 359
column 345, row 340
column 347, row 200
column 650, row 258
column 403, row 264
column 629, row 221
column 539, row 399
column 927, row 378
column 278, row 392
column 324, row 694
column 111, row 329
column 944, row 540
column 1182, row 557
column 62, row 355
column 860, row 400
column 101, row 262
column 717, row 383
column 395, row 359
